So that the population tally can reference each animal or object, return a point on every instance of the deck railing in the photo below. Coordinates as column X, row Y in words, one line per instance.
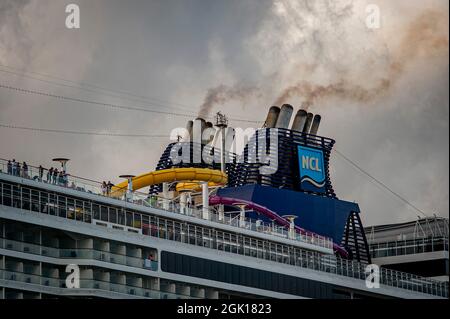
column 106, row 286
column 408, row 247
column 171, row 205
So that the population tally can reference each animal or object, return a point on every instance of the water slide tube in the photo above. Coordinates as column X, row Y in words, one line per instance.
column 215, row 200
column 194, row 186
column 172, row 175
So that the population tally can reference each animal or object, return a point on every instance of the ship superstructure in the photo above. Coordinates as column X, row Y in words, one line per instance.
column 204, row 230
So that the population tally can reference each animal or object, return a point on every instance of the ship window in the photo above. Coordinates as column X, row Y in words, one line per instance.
column 16, row 196
column 62, row 205
column 228, row 273
column 104, row 213
column 44, row 201
column 241, row 275
column 207, row 269
column 6, row 195
column 87, row 211
column 179, row 264
column 112, row 215
column 234, row 243
column 129, row 219
column 220, row 240
column 200, row 267
column 35, row 200
column 226, row 239
column 409, row 250
column 96, row 211
column 198, row 236
column 186, row 264
column 137, row 220
column 177, row 231
column 70, row 208
column 246, row 246
column 145, row 225
column 260, row 249
column 25, row 198
column 121, row 217
column 170, row 230
column 52, row 204
column 162, row 223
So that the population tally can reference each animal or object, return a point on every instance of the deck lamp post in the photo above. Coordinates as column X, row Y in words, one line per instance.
column 242, row 207
column 291, row 219
column 129, row 192
column 63, row 162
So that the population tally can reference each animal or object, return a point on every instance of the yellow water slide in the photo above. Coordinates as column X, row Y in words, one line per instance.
column 194, row 175
column 194, row 186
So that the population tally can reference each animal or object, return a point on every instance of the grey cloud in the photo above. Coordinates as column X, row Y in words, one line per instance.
column 178, row 50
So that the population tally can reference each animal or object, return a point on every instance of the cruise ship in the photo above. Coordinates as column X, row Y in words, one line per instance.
column 207, row 223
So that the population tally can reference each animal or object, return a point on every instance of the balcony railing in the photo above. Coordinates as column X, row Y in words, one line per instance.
column 408, row 247
column 78, row 253
column 94, row 187
column 100, row 285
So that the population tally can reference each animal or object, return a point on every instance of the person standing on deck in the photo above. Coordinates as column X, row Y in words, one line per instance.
column 9, row 167
column 24, row 170
column 104, row 188
column 55, row 175
column 49, row 175
column 18, row 173
column 14, row 167
column 41, row 172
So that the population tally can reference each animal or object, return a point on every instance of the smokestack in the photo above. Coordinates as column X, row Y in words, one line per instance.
column 315, row 124
column 299, row 120
column 309, row 118
column 285, row 116
column 188, row 136
column 198, row 128
column 272, row 117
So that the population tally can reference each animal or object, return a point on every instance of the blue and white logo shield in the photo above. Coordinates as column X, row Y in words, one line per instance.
column 311, row 167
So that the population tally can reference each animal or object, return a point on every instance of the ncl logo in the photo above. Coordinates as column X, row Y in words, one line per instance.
column 311, row 167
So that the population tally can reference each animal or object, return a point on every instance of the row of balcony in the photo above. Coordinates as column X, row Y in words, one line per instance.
column 79, row 253
column 38, row 280
column 409, row 247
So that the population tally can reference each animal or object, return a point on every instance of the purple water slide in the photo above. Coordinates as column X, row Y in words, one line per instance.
column 215, row 200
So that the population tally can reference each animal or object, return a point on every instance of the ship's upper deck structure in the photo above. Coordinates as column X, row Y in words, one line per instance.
column 78, row 206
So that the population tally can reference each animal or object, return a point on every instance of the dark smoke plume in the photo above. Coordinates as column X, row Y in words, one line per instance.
column 424, row 37
column 221, row 94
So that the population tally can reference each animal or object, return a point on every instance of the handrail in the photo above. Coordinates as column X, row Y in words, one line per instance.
column 408, row 247
column 143, row 200
column 101, row 285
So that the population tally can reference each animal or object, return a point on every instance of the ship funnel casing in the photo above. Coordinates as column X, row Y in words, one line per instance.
column 284, row 117
column 272, row 117
column 309, row 119
column 315, row 124
column 299, row 120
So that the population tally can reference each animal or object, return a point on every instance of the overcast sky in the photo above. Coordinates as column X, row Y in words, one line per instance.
column 382, row 93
